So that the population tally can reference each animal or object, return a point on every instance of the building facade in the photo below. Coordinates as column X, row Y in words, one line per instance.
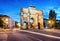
column 8, row 23
column 31, row 18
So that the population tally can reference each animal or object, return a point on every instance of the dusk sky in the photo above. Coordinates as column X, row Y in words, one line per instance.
column 12, row 7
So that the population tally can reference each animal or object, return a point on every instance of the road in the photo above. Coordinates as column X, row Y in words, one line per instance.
column 28, row 35
column 13, row 35
column 42, row 35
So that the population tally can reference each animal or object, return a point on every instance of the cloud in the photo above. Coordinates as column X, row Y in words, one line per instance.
column 12, row 14
column 47, row 9
column 59, row 8
column 58, row 12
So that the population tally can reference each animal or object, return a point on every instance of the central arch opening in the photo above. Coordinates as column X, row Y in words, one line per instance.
column 31, row 22
column 25, row 24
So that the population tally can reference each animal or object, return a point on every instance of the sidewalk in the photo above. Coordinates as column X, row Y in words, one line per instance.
column 50, row 30
column 53, row 30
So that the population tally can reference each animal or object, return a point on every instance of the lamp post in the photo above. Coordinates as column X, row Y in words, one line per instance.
column 51, row 23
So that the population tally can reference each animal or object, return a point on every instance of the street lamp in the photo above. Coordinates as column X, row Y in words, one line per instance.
column 51, row 23
column 5, row 20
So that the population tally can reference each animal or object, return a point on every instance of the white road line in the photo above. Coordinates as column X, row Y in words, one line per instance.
column 41, row 34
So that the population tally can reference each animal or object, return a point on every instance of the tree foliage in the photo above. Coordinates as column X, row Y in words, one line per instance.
column 16, row 24
column 1, row 22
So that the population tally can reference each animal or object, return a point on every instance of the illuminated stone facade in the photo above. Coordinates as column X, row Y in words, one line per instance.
column 32, row 17
column 8, row 23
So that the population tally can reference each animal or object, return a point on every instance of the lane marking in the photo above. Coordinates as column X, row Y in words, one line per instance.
column 51, row 36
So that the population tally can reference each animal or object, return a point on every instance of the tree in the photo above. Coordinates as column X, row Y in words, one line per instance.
column 52, row 17
column 16, row 24
column 1, row 22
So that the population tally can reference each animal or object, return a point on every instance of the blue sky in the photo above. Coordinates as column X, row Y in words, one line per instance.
column 12, row 7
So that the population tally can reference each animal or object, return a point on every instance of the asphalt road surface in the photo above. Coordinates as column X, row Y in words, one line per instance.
column 28, row 35
column 13, row 35
column 42, row 35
